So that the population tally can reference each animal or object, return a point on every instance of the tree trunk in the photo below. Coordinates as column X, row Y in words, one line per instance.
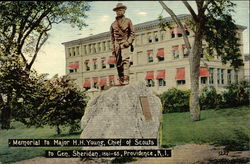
column 194, row 75
column 58, row 130
column 6, row 115
column 5, row 118
column 194, row 56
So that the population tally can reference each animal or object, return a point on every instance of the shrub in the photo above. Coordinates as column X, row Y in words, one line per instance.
column 237, row 94
column 65, row 104
column 175, row 100
column 209, row 98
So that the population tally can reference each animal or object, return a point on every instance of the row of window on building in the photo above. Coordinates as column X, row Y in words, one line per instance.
column 223, row 75
column 179, row 77
column 206, row 77
column 156, row 36
column 176, row 51
column 74, row 66
column 104, row 46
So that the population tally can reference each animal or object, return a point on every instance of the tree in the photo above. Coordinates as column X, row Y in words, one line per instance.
column 24, row 28
column 25, row 25
column 212, row 22
column 64, row 104
column 21, row 92
column 28, row 109
column 13, row 81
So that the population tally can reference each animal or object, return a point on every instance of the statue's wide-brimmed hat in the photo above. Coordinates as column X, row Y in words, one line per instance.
column 119, row 6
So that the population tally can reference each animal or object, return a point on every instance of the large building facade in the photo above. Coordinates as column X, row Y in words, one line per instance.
column 159, row 59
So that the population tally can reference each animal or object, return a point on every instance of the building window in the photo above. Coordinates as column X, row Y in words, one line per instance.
column 181, row 82
column 87, row 65
column 112, row 61
column 95, row 82
column 111, row 83
column 72, row 70
column 87, row 84
column 95, row 85
column 69, row 51
column 175, row 50
column 103, row 82
column 74, row 52
column 73, row 66
column 218, row 76
column 222, row 76
column 77, row 51
column 236, row 76
column 150, row 83
column 84, row 51
column 161, row 82
column 161, row 78
column 103, row 63
column 93, row 50
column 111, row 80
column 160, row 58
column 150, row 39
column 229, row 76
column 104, row 46
column 178, row 32
column 171, row 30
column 186, row 29
column 211, row 77
column 180, row 76
column 185, row 51
column 150, row 56
column 204, row 74
column 99, row 47
column 150, row 79
column 160, row 54
column 203, row 80
column 156, row 38
column 94, row 64
column 162, row 36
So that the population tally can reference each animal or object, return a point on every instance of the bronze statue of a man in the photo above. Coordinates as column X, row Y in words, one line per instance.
column 122, row 37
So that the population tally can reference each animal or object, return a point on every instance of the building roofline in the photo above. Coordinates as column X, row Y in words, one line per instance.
column 139, row 26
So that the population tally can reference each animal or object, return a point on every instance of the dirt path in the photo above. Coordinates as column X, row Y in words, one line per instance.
column 190, row 153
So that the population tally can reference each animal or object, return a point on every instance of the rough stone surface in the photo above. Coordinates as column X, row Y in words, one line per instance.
column 117, row 113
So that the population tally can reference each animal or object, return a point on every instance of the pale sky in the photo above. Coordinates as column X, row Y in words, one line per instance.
column 51, row 58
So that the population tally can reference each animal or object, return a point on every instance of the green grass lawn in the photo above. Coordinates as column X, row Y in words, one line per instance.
column 20, row 131
column 215, row 125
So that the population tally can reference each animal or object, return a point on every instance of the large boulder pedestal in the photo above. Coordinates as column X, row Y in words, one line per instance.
column 131, row 111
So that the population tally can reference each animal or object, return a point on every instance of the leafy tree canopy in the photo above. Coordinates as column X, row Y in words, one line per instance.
column 24, row 27
column 220, row 32
column 25, row 24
